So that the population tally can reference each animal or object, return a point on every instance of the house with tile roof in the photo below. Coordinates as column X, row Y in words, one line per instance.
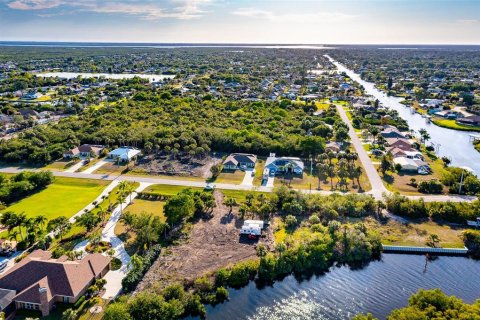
column 85, row 150
column 38, row 282
column 237, row 161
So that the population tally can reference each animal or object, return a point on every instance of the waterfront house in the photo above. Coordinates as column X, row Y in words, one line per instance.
column 38, row 282
column 237, row 161
column 400, row 143
column 391, row 132
column 470, row 120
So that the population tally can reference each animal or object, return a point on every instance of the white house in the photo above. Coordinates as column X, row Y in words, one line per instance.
column 283, row 165
column 123, row 154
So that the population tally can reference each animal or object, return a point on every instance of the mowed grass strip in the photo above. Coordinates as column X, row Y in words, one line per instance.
column 64, row 197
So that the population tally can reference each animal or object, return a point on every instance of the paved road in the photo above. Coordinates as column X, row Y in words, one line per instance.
column 377, row 193
column 378, row 187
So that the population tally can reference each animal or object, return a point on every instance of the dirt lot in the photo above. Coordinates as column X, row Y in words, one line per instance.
column 212, row 244
column 182, row 165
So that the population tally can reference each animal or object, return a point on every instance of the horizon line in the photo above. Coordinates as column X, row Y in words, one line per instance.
column 239, row 43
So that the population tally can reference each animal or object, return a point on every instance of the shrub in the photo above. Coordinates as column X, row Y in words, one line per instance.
column 134, row 276
column 432, row 187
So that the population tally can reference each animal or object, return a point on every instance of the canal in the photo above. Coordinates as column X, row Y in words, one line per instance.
column 453, row 144
column 341, row 293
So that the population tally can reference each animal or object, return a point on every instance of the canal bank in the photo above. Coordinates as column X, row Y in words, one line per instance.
column 453, row 144
column 378, row 287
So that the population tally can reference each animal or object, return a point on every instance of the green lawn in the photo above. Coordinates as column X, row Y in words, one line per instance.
column 64, row 197
column 452, row 124
column 233, row 177
column 167, row 190
column 140, row 205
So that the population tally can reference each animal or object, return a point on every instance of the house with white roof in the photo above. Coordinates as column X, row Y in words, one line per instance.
column 283, row 165
column 123, row 154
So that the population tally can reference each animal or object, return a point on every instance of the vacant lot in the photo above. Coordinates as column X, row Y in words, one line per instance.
column 64, row 197
column 167, row 190
column 60, row 165
column 212, row 244
column 416, row 232
column 182, row 166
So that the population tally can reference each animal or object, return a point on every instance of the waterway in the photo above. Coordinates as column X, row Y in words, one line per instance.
column 117, row 76
column 341, row 293
column 453, row 144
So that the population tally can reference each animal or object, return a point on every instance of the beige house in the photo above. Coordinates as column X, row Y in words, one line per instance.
column 38, row 281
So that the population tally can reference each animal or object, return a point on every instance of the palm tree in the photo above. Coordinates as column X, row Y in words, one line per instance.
column 358, row 174
column 40, row 220
column 331, row 172
column 230, row 202
column 102, row 213
column 262, row 198
column 21, row 222
column 12, row 235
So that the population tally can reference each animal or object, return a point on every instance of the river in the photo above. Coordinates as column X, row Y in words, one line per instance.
column 342, row 292
column 453, row 144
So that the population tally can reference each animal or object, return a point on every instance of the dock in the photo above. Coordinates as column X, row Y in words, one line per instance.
column 474, row 137
column 424, row 250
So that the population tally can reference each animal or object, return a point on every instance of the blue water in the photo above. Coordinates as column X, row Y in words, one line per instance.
column 379, row 288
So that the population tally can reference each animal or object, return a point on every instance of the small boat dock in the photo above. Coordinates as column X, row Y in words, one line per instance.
column 424, row 250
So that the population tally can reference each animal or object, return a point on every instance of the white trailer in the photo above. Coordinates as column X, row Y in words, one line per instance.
column 251, row 230
column 258, row 223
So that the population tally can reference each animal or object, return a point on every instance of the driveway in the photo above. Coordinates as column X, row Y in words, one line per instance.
column 95, row 166
column 114, row 277
column 269, row 182
column 249, row 176
column 76, row 166
column 376, row 182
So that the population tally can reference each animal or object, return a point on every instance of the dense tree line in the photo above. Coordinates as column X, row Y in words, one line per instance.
column 178, row 125
column 23, row 184
column 457, row 212
column 432, row 304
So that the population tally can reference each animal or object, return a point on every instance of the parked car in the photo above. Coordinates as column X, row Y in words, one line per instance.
column 210, row 187
column 3, row 264
column 377, row 152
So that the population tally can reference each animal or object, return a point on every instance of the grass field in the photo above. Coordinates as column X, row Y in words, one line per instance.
column 233, row 177
column 60, row 165
column 167, row 190
column 416, row 233
column 64, row 197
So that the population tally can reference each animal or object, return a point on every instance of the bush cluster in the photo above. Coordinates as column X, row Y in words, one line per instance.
column 135, row 275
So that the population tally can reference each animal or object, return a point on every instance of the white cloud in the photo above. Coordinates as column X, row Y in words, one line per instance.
column 34, row 4
column 468, row 21
column 291, row 17
column 146, row 9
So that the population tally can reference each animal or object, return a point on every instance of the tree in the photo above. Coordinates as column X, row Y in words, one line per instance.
column 322, row 173
column 230, row 202
column 69, row 314
column 102, row 213
column 179, row 207
column 433, row 240
column 389, row 83
column 290, row 221
column 385, row 164
column 88, row 220
column 59, row 226
column 117, row 311
column 40, row 220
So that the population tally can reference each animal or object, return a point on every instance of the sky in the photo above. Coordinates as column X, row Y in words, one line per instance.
column 243, row 21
